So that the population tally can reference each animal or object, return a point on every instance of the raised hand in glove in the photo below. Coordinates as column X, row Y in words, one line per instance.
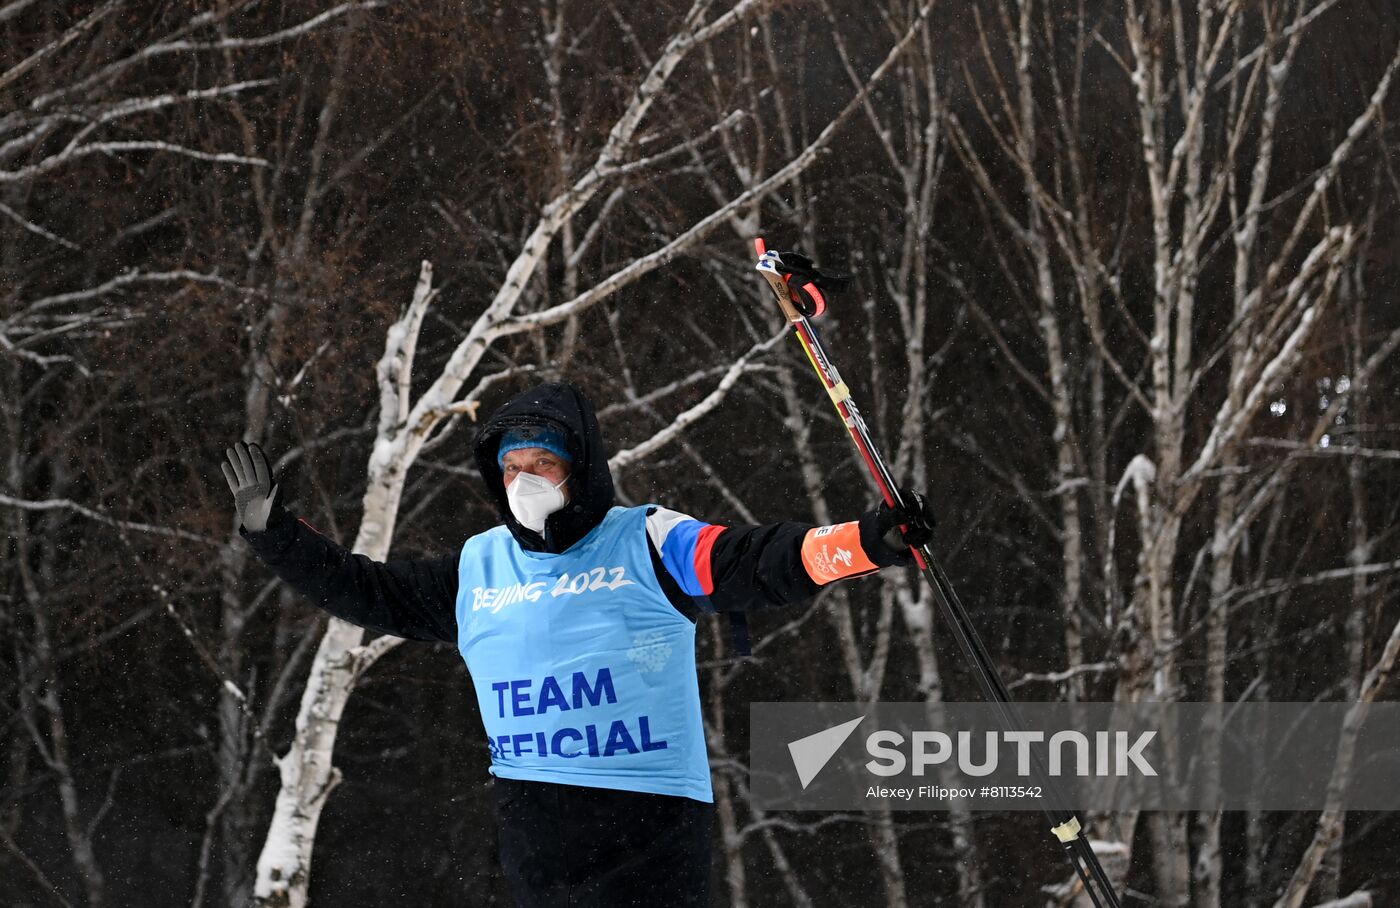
column 250, row 481
column 916, row 517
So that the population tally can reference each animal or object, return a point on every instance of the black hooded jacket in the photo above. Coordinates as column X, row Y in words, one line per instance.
column 750, row 566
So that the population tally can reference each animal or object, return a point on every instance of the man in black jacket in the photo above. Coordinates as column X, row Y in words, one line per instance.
column 575, row 620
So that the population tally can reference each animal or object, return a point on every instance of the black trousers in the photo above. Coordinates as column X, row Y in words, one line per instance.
column 565, row 846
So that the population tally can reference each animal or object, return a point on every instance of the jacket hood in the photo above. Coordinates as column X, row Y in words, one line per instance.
column 564, row 407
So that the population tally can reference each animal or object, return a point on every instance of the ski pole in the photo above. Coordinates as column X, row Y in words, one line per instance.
column 779, row 270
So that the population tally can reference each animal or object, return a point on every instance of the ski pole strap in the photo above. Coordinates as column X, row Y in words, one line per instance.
column 795, row 264
column 1067, row 831
column 779, row 268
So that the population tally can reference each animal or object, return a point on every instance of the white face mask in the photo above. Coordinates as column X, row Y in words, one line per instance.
column 533, row 498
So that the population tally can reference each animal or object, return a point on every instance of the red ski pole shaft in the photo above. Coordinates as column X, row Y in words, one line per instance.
column 1064, row 825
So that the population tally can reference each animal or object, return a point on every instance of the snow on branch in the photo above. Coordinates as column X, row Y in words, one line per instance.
column 395, row 368
column 1231, row 422
column 623, row 459
column 688, row 37
column 656, row 394
column 14, row 8
column 107, row 74
column 58, row 160
column 69, row 36
column 471, row 403
column 286, row 34
column 1321, row 577
column 1195, row 102
column 365, row 656
column 647, row 263
column 133, row 106
column 1298, row 449
column 55, row 504
column 119, row 282
column 488, row 326
column 1059, row 677
column 40, row 359
column 1141, row 473
column 1247, row 60
column 1359, row 899
column 1329, row 824
column 1327, row 175
column 689, row 144
column 1303, row 449
column 36, row 229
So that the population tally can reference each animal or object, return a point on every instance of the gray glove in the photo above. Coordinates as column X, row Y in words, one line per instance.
column 250, row 481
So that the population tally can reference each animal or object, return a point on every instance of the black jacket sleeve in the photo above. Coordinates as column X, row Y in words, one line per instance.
column 412, row 598
column 761, row 566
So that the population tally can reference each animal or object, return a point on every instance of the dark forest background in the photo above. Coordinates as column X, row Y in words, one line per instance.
column 1123, row 304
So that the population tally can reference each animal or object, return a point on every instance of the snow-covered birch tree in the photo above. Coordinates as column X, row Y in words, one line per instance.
column 91, row 105
column 1205, row 85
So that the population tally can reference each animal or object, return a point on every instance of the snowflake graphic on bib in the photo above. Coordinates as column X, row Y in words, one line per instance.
column 650, row 652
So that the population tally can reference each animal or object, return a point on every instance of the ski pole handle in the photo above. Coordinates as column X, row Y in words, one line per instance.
column 779, row 273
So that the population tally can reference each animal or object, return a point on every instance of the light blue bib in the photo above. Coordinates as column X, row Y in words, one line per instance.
column 584, row 670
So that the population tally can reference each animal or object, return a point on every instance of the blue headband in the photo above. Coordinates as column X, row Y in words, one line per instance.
column 551, row 440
